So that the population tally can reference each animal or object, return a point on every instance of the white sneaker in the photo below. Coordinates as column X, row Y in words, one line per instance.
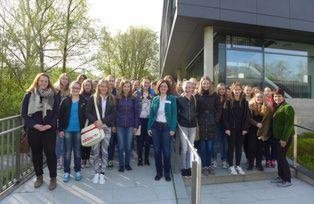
column 240, row 170
column 233, row 171
column 224, row 165
column 214, row 164
column 102, row 179
column 96, row 179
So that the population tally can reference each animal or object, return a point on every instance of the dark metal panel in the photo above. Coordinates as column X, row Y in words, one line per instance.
column 274, row 7
column 302, row 9
column 273, row 21
column 206, row 3
column 302, row 25
column 198, row 11
column 237, row 16
column 239, row 5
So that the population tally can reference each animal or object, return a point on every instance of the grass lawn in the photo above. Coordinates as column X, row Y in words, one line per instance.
column 305, row 150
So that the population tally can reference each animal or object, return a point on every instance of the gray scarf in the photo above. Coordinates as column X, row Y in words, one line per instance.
column 41, row 100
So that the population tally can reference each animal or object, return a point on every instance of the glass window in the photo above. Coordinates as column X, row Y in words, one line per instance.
column 244, row 66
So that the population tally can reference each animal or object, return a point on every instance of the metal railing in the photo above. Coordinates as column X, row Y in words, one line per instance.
column 196, row 172
column 14, row 166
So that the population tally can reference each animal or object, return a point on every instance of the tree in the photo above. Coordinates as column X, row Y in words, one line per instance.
column 132, row 54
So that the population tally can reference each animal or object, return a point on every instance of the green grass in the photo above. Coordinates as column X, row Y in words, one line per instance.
column 305, row 150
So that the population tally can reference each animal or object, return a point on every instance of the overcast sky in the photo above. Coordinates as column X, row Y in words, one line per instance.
column 118, row 15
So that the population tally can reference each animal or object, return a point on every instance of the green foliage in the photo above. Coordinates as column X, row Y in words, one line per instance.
column 305, row 150
column 132, row 54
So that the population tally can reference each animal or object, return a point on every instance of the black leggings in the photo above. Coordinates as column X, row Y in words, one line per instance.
column 282, row 163
column 255, row 147
column 43, row 142
column 85, row 152
column 235, row 142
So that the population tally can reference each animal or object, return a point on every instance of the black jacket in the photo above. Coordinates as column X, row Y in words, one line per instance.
column 110, row 114
column 65, row 110
column 209, row 112
column 37, row 118
column 186, row 111
column 236, row 115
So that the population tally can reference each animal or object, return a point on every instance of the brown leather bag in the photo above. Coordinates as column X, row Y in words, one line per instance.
column 24, row 145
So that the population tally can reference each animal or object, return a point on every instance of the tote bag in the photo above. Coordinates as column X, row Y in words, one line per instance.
column 92, row 135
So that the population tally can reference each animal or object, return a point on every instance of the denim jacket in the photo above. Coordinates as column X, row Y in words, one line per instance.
column 128, row 112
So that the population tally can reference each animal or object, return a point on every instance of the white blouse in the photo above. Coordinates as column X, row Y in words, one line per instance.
column 161, row 115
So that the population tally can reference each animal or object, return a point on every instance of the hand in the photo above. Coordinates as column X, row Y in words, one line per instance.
column 150, row 133
column 228, row 132
column 283, row 143
column 61, row 134
column 172, row 133
column 114, row 129
column 98, row 124
column 39, row 127
column 134, row 131
column 46, row 127
column 259, row 125
column 244, row 132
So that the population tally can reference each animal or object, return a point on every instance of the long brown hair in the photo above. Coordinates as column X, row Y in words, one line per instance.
column 211, row 89
column 161, row 81
column 171, row 86
column 121, row 94
column 83, row 84
column 242, row 95
column 34, row 84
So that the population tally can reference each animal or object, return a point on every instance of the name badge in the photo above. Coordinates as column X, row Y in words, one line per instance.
column 168, row 101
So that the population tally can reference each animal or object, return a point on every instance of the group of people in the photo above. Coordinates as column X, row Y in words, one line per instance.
column 219, row 119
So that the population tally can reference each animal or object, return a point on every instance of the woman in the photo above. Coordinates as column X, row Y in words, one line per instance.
column 186, row 105
column 144, row 140
column 269, row 144
column 179, row 88
column 80, row 78
column 107, row 110
column 236, row 123
column 127, row 123
column 62, row 90
column 162, row 126
column 86, row 92
column 209, row 112
column 172, row 84
column 40, row 111
column 71, row 122
column 221, row 136
column 283, row 130
column 259, row 131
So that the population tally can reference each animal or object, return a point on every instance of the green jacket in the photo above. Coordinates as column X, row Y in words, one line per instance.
column 283, row 122
column 170, row 111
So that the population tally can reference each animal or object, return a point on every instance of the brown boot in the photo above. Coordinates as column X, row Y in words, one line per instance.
column 52, row 184
column 39, row 181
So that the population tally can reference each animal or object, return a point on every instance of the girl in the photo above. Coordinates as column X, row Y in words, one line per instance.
column 107, row 110
column 144, row 140
column 86, row 92
column 80, row 78
column 209, row 112
column 71, row 121
column 179, row 88
column 162, row 126
column 236, row 123
column 260, row 120
column 222, row 138
column 62, row 90
column 172, row 84
column 186, row 105
column 127, row 123
column 40, row 111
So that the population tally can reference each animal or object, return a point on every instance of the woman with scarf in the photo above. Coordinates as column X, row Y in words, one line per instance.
column 40, row 111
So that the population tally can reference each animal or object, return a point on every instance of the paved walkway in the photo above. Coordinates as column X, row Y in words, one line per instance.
column 136, row 186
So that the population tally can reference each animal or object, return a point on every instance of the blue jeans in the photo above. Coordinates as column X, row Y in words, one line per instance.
column 59, row 146
column 206, row 152
column 72, row 141
column 223, row 142
column 162, row 140
column 124, row 136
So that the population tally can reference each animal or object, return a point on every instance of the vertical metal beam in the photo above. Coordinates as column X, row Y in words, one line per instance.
column 209, row 52
column 295, row 144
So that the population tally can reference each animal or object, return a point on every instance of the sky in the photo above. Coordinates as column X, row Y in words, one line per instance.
column 118, row 15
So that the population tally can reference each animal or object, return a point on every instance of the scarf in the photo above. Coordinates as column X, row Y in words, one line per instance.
column 41, row 100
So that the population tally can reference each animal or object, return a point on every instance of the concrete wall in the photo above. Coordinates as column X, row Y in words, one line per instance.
column 288, row 14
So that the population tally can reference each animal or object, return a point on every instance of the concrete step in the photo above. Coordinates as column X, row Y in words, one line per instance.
column 220, row 177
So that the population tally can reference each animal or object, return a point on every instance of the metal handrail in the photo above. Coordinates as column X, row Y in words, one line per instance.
column 9, row 118
column 305, row 128
column 196, row 172
column 10, row 130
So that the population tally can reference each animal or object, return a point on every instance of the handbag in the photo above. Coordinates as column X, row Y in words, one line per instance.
column 92, row 135
column 24, row 145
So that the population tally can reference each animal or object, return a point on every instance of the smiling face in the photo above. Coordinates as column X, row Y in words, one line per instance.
column 237, row 90
column 103, row 88
column 43, row 82
column 248, row 91
column 163, row 88
column 221, row 90
column 87, row 87
column 187, row 87
column 259, row 98
column 64, row 80
column 75, row 89
column 126, row 88
column 205, row 85
column 146, row 84
column 267, row 92
column 278, row 98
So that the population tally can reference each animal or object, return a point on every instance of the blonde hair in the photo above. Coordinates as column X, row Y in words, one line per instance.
column 257, row 109
column 97, row 92
column 34, row 84
column 211, row 89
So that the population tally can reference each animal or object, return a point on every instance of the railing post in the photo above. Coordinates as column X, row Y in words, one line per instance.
column 18, row 156
column 295, row 144
column 196, row 183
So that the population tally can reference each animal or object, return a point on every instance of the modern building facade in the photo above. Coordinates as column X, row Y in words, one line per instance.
column 257, row 42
